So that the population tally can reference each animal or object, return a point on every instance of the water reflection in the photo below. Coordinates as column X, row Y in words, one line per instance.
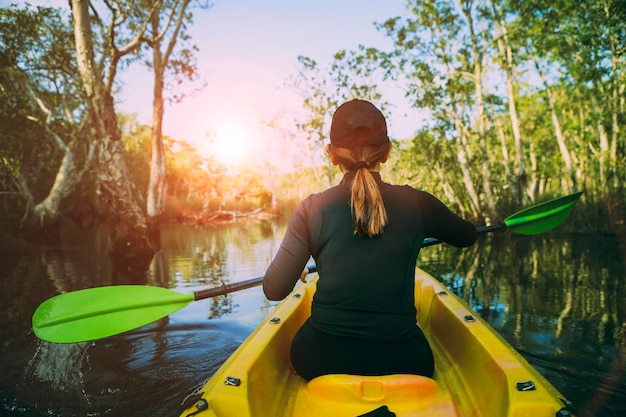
column 210, row 256
column 557, row 299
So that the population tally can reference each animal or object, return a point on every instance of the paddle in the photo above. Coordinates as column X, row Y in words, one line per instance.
column 533, row 220
column 95, row 313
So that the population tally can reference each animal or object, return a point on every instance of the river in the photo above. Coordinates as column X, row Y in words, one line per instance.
column 558, row 299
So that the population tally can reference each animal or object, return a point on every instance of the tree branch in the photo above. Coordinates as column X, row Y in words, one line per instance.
column 179, row 23
column 137, row 40
column 42, row 106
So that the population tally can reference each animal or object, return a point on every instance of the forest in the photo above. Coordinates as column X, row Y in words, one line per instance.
column 524, row 100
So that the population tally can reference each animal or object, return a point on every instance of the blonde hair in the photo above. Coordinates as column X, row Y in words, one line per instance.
column 366, row 202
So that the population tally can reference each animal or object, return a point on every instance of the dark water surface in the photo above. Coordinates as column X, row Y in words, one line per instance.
column 558, row 299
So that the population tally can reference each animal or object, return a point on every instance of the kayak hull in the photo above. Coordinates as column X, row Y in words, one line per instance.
column 477, row 373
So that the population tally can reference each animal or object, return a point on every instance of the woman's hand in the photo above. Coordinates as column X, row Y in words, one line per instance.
column 303, row 275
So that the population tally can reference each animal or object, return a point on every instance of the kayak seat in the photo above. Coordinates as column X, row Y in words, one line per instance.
column 352, row 395
column 372, row 388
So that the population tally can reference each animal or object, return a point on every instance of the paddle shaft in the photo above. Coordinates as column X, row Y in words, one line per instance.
column 237, row 286
column 481, row 229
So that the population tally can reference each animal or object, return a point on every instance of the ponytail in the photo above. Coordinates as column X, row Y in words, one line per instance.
column 368, row 209
column 366, row 202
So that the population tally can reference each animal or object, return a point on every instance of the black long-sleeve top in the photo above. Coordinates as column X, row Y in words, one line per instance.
column 366, row 285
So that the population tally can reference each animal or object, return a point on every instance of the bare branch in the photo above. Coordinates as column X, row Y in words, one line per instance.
column 48, row 113
column 170, row 18
column 136, row 41
column 179, row 23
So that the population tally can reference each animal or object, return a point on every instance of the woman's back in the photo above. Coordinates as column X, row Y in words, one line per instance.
column 366, row 284
column 365, row 236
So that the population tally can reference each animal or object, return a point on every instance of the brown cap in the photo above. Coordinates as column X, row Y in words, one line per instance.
column 358, row 123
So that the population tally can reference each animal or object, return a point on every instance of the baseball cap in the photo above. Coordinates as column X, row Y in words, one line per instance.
column 358, row 123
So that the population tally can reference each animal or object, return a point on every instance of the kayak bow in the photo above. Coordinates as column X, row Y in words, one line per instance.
column 477, row 372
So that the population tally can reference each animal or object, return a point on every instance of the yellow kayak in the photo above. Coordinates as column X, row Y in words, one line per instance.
column 477, row 372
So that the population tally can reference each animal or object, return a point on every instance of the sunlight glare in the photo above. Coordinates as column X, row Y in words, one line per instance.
column 231, row 144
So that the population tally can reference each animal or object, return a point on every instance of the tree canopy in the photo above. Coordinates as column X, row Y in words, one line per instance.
column 523, row 100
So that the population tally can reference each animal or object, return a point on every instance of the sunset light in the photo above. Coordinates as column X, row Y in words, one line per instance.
column 230, row 144
column 227, row 120
column 246, row 143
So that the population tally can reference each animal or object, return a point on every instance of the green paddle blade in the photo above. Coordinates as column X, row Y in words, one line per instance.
column 95, row 313
column 542, row 217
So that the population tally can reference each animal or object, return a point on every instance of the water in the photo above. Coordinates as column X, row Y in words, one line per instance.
column 557, row 299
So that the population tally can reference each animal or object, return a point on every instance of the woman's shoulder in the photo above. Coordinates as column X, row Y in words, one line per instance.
column 412, row 195
column 405, row 189
column 319, row 198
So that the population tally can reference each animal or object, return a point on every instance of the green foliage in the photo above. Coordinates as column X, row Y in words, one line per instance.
column 41, row 98
column 136, row 139
column 490, row 75
column 547, row 75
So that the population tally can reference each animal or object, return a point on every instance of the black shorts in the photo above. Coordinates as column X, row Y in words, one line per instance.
column 315, row 353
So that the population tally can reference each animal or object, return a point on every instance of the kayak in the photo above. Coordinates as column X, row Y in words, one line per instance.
column 477, row 373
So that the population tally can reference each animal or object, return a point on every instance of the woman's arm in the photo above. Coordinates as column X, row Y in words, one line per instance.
column 294, row 252
column 441, row 223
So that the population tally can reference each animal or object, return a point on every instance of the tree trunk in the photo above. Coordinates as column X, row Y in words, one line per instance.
column 481, row 116
column 131, row 250
column 604, row 141
column 533, row 184
column 447, row 188
column 617, row 86
column 506, row 55
column 467, row 177
column 157, row 185
column 41, row 220
column 569, row 182
column 617, row 112
column 69, row 175
column 157, row 188
column 463, row 150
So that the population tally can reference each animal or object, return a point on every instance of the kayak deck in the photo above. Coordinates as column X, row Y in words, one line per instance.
column 476, row 372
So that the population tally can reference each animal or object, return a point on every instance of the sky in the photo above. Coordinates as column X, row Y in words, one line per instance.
column 248, row 50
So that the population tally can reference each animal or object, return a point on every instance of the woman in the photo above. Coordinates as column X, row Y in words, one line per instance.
column 364, row 235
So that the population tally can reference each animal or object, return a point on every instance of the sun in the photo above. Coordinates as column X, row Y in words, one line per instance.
column 232, row 143
column 229, row 143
